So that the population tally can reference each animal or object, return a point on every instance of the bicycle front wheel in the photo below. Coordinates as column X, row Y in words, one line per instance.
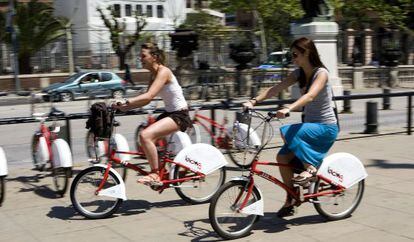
column 198, row 190
column 61, row 177
column 2, row 189
column 240, row 155
column 83, row 193
column 339, row 205
column 224, row 214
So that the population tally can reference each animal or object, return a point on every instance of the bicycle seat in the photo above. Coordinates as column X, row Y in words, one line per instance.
column 54, row 112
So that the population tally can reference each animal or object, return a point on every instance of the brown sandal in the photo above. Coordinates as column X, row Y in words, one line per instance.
column 301, row 179
column 151, row 179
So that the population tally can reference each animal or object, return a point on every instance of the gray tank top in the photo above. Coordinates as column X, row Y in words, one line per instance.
column 320, row 110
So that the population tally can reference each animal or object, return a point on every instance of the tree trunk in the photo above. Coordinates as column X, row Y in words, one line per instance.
column 24, row 64
column 121, row 56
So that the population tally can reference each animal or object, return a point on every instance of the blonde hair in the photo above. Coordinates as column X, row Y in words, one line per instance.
column 155, row 51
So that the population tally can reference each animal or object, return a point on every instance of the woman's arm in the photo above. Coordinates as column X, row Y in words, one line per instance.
column 141, row 100
column 274, row 90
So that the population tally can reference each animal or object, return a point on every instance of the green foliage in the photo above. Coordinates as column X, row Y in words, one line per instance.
column 203, row 24
column 276, row 16
column 35, row 27
column 384, row 13
column 121, row 41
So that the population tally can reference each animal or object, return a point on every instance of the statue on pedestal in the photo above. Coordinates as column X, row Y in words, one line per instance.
column 319, row 10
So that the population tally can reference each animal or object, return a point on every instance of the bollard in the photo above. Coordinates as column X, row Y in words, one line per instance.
column 386, row 101
column 372, row 118
column 347, row 103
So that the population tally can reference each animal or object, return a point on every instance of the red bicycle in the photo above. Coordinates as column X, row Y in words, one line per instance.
column 230, row 139
column 196, row 173
column 47, row 148
column 335, row 195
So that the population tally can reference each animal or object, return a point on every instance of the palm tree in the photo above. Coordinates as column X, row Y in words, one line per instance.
column 35, row 27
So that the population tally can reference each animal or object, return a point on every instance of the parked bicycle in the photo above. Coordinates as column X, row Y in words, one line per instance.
column 48, row 149
column 336, row 194
column 196, row 173
column 230, row 139
column 3, row 174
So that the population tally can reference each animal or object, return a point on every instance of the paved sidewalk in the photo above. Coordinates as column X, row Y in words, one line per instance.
column 31, row 212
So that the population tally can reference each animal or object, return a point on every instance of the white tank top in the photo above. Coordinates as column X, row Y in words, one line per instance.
column 172, row 95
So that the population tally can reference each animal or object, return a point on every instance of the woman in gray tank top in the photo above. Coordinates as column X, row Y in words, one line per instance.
column 307, row 143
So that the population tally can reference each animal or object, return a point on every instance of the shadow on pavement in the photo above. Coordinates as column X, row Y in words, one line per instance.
column 269, row 223
column 31, row 185
column 127, row 208
column 388, row 165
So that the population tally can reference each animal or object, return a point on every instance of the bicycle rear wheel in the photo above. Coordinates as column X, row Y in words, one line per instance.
column 136, row 137
column 198, row 190
column 340, row 205
column 224, row 214
column 86, row 201
column 90, row 145
column 61, row 177
column 2, row 189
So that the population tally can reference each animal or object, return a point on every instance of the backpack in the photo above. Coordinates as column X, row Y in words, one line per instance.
column 99, row 122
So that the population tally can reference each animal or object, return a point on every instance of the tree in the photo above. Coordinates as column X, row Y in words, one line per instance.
column 35, row 27
column 274, row 15
column 122, row 42
column 202, row 23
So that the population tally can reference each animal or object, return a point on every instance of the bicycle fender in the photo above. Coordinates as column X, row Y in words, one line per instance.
column 122, row 145
column 42, row 153
column 342, row 168
column 62, row 156
column 255, row 208
column 3, row 163
column 117, row 191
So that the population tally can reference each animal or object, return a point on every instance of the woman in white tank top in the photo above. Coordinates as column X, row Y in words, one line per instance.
column 164, row 84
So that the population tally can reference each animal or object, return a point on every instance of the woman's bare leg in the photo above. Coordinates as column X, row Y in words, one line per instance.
column 150, row 135
column 286, row 172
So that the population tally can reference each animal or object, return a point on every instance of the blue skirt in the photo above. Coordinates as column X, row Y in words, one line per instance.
column 308, row 141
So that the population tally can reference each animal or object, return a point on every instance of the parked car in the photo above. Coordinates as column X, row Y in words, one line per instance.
column 277, row 59
column 85, row 85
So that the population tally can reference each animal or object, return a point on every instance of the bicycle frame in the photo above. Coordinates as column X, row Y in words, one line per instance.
column 297, row 195
column 164, row 158
column 198, row 118
column 299, row 198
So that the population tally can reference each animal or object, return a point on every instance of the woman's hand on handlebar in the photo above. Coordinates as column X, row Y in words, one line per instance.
column 248, row 105
column 283, row 113
column 122, row 106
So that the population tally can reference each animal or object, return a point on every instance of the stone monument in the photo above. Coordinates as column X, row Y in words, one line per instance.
column 318, row 25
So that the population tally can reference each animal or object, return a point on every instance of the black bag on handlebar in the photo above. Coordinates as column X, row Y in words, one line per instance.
column 99, row 121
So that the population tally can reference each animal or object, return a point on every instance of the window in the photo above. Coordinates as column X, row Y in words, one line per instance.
column 139, row 9
column 106, row 76
column 117, row 10
column 149, row 10
column 188, row 4
column 160, row 11
column 128, row 10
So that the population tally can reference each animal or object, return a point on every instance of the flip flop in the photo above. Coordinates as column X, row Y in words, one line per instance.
column 150, row 180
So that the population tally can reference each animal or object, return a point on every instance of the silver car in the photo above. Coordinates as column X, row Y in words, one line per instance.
column 86, row 85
